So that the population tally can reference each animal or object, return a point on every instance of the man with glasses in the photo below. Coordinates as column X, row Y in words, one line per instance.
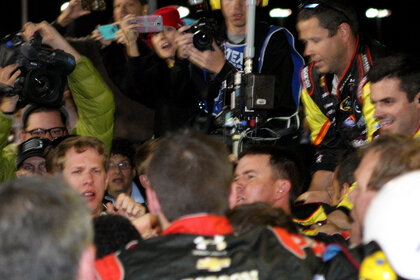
column 122, row 172
column 93, row 99
column 335, row 91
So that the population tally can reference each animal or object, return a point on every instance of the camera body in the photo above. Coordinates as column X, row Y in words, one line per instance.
column 43, row 71
column 205, row 31
column 249, row 95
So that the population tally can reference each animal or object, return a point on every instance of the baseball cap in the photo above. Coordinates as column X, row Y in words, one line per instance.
column 392, row 221
column 170, row 16
column 33, row 147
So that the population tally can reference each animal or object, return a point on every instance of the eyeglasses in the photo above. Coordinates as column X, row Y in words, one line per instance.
column 315, row 4
column 123, row 165
column 54, row 132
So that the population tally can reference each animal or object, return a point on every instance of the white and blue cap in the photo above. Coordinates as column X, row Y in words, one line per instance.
column 392, row 220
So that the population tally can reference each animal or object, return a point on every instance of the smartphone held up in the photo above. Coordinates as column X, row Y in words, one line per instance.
column 148, row 24
column 145, row 24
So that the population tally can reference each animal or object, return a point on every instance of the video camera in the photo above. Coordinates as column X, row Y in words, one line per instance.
column 43, row 71
column 205, row 29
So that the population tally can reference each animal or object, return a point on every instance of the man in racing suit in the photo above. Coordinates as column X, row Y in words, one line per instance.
column 188, row 192
column 335, row 91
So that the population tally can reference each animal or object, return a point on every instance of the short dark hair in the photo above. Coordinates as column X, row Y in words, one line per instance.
column 124, row 147
column 44, row 228
column 190, row 173
column 330, row 13
column 285, row 164
column 31, row 109
column 112, row 232
column 143, row 153
column 347, row 164
column 405, row 67
column 247, row 216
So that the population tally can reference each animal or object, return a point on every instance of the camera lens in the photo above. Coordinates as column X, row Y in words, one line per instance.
column 40, row 84
column 43, row 87
column 202, row 40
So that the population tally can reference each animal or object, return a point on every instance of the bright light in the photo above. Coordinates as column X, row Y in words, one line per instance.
column 371, row 13
column 384, row 13
column 183, row 11
column 280, row 13
column 376, row 13
column 64, row 6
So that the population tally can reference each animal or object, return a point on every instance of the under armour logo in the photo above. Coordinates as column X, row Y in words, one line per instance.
column 218, row 241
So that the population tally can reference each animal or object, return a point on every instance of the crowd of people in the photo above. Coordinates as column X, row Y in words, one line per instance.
column 77, row 201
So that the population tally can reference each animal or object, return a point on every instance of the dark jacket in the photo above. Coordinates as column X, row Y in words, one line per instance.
column 204, row 246
column 169, row 91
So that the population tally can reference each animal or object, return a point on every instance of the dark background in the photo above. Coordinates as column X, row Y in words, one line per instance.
column 399, row 31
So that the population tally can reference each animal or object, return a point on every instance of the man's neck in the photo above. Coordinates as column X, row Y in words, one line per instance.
column 97, row 212
column 236, row 30
column 348, row 58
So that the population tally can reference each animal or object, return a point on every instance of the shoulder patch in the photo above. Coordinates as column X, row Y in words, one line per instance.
column 306, row 79
column 295, row 244
column 109, row 268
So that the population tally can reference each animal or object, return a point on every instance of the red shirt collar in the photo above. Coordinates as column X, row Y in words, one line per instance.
column 201, row 225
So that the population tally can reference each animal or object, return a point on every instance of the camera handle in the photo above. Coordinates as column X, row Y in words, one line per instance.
column 6, row 90
column 250, row 33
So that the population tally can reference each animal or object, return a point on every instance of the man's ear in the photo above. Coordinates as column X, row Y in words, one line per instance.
column 344, row 189
column 107, row 174
column 344, row 30
column 144, row 181
column 417, row 100
column 86, row 269
column 282, row 188
column 153, row 201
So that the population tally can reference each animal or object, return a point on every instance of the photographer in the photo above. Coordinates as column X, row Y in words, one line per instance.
column 93, row 99
column 163, row 78
column 274, row 55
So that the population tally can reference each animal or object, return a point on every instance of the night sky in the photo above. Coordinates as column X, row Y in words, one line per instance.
column 399, row 31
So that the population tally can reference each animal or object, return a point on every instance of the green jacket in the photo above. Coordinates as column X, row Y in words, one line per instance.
column 95, row 109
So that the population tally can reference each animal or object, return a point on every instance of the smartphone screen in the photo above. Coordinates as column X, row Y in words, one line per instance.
column 149, row 24
column 108, row 31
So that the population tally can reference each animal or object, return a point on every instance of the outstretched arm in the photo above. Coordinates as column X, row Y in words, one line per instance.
column 93, row 98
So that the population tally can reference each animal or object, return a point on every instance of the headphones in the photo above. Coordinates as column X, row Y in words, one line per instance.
column 215, row 4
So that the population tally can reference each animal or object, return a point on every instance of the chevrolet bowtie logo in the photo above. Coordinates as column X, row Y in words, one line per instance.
column 213, row 264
